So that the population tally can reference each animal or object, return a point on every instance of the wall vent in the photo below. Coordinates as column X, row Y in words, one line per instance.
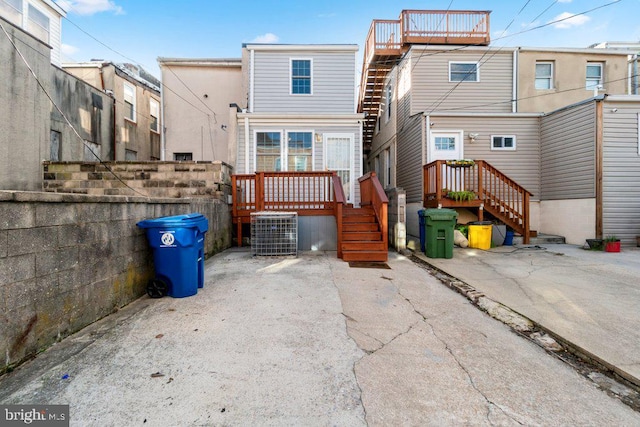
column 274, row 233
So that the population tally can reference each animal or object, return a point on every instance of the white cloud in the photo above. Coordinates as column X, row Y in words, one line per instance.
column 68, row 50
column 266, row 38
column 568, row 20
column 90, row 7
column 565, row 1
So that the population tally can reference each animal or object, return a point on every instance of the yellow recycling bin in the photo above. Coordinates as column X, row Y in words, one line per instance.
column 480, row 235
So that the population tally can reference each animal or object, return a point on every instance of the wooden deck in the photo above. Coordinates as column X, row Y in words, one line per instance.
column 317, row 193
column 490, row 190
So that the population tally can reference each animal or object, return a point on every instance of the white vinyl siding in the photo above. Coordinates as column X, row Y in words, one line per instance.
column 621, row 171
column 409, row 166
column 432, row 91
column 333, row 83
column 521, row 165
column 568, row 154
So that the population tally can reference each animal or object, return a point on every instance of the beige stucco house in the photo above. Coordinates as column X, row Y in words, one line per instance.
column 552, row 78
column 137, row 118
column 196, row 96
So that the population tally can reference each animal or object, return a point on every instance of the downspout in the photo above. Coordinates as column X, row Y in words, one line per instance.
column 163, row 141
column 251, row 79
column 246, row 145
column 514, row 96
column 599, row 168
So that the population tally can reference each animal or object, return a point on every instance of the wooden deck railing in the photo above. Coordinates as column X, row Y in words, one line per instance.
column 445, row 27
column 307, row 193
column 492, row 190
column 372, row 194
column 340, row 202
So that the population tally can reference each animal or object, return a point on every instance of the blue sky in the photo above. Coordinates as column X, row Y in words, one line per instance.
column 141, row 30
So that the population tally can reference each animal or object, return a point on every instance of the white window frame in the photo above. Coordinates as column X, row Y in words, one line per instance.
column 503, row 148
column 154, row 103
column 255, row 147
column 285, row 148
column 126, row 85
column 352, row 140
column 16, row 14
column 29, row 20
column 388, row 95
column 476, row 63
column 387, row 167
column 550, row 78
column 600, row 79
column 310, row 76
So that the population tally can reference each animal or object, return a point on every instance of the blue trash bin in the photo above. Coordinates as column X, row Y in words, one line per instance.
column 178, row 254
column 422, row 214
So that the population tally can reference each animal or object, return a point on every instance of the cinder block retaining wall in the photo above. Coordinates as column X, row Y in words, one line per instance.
column 67, row 260
column 152, row 179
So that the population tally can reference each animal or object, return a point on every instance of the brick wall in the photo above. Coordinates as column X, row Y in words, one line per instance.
column 67, row 260
column 151, row 179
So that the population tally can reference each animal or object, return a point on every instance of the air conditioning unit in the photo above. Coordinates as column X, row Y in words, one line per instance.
column 274, row 233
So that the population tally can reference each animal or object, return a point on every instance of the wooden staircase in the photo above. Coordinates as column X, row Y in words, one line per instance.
column 494, row 192
column 362, row 238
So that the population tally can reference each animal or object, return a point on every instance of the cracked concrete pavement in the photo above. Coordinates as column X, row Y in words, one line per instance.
column 589, row 298
column 309, row 341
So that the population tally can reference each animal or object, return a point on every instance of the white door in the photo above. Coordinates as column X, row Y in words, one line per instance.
column 338, row 156
column 445, row 145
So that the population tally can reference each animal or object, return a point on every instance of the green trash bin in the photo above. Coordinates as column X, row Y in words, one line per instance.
column 439, row 226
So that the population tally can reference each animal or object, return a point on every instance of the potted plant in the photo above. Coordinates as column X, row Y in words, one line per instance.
column 595, row 244
column 463, row 163
column 611, row 244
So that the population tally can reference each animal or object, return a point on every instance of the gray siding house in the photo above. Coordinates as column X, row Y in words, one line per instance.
column 301, row 112
column 455, row 100
column 301, row 116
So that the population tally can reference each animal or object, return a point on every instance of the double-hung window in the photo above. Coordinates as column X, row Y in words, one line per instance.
column 594, row 75
column 12, row 11
column 268, row 147
column 130, row 102
column 544, row 75
column 388, row 93
column 503, row 142
column 301, row 77
column 154, row 112
column 38, row 24
column 299, row 151
column 463, row 72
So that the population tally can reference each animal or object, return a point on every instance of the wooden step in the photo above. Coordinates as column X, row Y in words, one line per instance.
column 362, row 246
column 374, row 256
column 362, row 235
column 348, row 227
column 351, row 219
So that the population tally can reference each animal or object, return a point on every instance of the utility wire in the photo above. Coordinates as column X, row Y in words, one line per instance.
column 489, row 104
column 44, row 90
column 480, row 63
column 134, row 61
